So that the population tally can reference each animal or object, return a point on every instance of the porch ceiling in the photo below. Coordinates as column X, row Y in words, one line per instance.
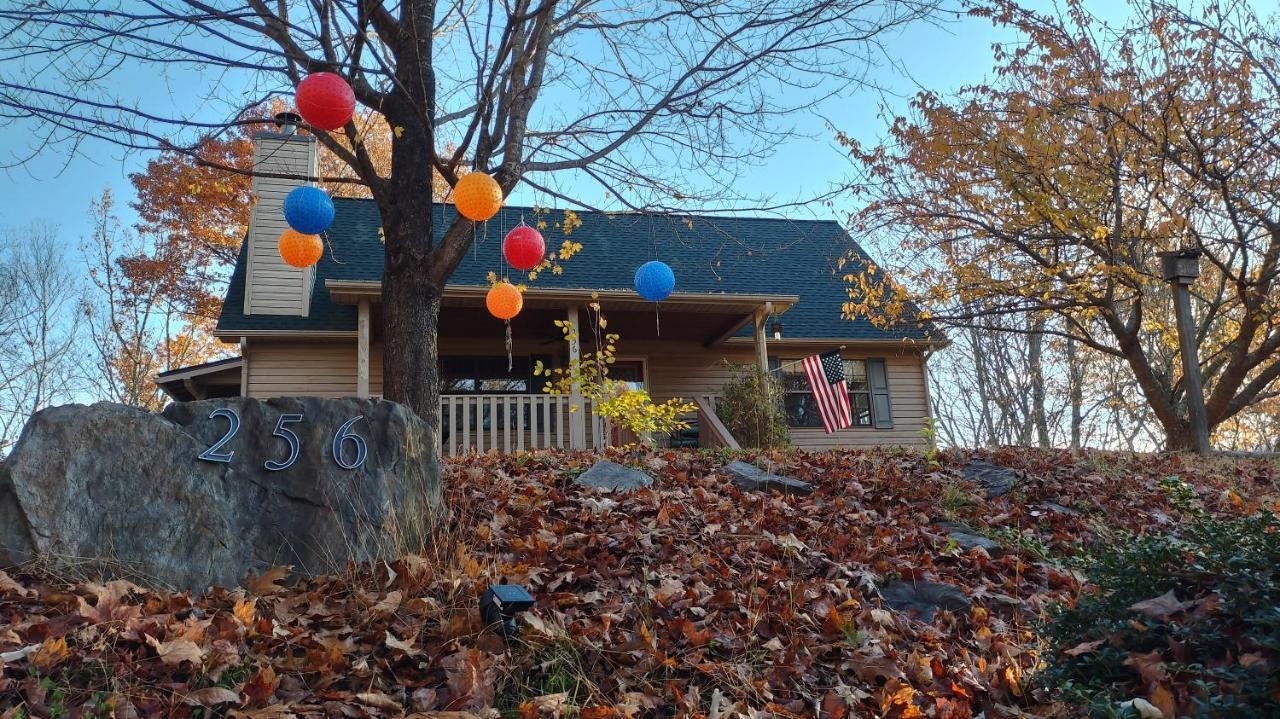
column 709, row 318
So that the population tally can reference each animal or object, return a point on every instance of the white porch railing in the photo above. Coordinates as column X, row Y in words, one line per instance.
column 513, row 423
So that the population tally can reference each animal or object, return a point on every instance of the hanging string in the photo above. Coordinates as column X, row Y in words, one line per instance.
column 509, row 363
column 657, row 320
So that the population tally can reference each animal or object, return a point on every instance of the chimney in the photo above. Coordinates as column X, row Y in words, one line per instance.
column 271, row 286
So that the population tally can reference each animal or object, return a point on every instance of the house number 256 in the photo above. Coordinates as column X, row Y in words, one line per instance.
column 341, row 439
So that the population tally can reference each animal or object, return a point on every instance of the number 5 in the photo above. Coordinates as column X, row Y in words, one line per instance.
column 295, row 446
column 344, row 434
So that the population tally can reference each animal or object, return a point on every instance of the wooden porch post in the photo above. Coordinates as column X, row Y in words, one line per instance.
column 362, row 349
column 762, row 344
column 577, row 417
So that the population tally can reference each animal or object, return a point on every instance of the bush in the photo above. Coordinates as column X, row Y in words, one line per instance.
column 751, row 408
column 1189, row 621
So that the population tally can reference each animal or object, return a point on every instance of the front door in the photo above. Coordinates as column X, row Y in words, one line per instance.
column 631, row 374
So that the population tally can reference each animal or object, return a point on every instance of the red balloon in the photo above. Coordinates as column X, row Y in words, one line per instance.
column 523, row 247
column 325, row 100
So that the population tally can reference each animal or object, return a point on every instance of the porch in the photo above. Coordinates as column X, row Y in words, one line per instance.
column 664, row 349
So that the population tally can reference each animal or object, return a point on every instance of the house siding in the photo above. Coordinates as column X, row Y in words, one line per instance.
column 675, row 369
column 273, row 287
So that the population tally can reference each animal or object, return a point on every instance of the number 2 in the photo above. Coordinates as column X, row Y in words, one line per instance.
column 233, row 420
column 295, row 445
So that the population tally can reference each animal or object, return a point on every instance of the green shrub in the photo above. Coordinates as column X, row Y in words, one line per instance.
column 1212, row 647
column 751, row 408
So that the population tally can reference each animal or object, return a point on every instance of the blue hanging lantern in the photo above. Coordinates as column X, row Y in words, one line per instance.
column 308, row 210
column 655, row 280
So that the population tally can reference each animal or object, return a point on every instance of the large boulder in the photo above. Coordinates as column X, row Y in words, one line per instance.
column 125, row 488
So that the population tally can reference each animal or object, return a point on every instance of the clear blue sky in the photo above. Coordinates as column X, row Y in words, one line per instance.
column 53, row 187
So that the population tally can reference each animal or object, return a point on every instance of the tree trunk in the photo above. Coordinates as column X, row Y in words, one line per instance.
column 1035, row 358
column 1075, row 374
column 1179, row 438
column 410, row 323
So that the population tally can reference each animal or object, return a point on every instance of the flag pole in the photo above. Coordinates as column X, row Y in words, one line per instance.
column 793, row 363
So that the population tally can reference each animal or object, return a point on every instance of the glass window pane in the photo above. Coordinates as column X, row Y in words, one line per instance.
column 855, row 375
column 801, row 410
column 860, row 405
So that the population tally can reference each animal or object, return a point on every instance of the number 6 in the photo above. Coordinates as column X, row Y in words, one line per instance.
column 344, row 434
column 295, row 446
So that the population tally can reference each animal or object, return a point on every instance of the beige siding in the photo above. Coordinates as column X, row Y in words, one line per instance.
column 683, row 369
column 275, row 288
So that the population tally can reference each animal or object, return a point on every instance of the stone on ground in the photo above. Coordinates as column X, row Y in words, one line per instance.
column 613, row 477
column 996, row 480
column 967, row 538
column 924, row 597
column 755, row 479
column 123, row 487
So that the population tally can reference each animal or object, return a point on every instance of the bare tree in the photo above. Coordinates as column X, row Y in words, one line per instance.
column 38, row 326
column 660, row 104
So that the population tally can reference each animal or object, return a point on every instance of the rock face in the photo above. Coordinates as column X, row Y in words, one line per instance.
column 996, row 480
column 613, row 477
column 124, row 487
column 966, row 538
column 924, row 597
column 754, row 479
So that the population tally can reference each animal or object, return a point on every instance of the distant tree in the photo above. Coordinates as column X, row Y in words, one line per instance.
column 658, row 103
column 38, row 326
column 1048, row 193
column 137, row 325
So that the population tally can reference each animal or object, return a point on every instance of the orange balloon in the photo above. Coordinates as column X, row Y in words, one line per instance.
column 300, row 250
column 504, row 301
column 477, row 196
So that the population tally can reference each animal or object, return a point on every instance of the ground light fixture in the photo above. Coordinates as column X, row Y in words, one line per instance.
column 500, row 605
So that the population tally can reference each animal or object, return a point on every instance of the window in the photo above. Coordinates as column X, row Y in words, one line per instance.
column 488, row 375
column 798, row 402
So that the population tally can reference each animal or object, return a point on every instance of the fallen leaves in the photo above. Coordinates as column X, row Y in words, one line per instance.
column 669, row 601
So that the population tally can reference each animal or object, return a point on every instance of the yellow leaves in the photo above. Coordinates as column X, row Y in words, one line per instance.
column 398, row 130
column 50, row 653
column 1100, row 233
column 245, row 611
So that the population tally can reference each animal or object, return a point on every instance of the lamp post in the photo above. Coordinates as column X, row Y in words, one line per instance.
column 1180, row 269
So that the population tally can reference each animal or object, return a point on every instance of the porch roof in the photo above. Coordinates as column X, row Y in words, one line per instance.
column 797, row 264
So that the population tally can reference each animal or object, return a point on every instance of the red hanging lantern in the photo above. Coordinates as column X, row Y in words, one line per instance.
column 523, row 247
column 325, row 100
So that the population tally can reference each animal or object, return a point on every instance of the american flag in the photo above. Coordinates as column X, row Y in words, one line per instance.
column 826, row 380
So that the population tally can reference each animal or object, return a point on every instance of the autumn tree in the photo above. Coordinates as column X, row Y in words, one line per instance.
column 1049, row 192
column 647, row 102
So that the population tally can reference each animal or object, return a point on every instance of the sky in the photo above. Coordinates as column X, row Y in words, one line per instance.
column 52, row 187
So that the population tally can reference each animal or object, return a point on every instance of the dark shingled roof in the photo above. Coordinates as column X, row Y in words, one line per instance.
column 734, row 255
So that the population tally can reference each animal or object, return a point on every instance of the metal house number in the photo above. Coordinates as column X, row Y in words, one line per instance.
column 341, row 438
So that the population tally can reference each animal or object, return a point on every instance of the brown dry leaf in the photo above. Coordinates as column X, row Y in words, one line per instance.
column 1083, row 648
column 402, row 646
column 51, row 652
column 246, row 611
column 1161, row 607
column 211, row 696
column 8, row 585
column 547, row 705
column 1163, row 700
column 378, row 700
column 388, row 604
column 275, row 711
column 1150, row 666
column 267, row 583
column 261, row 686
column 470, row 676
column 177, row 651
column 110, row 606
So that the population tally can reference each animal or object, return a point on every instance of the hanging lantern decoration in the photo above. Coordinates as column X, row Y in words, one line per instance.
column 504, row 301
column 477, row 196
column 655, row 281
column 524, row 248
column 325, row 100
column 300, row 250
column 308, row 210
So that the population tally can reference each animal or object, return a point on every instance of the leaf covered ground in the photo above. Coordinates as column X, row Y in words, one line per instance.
column 693, row 598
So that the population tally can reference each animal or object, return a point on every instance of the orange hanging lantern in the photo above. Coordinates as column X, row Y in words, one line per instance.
column 299, row 250
column 477, row 196
column 504, row 300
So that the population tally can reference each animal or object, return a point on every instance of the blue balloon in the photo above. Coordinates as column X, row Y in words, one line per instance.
column 308, row 210
column 655, row 281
